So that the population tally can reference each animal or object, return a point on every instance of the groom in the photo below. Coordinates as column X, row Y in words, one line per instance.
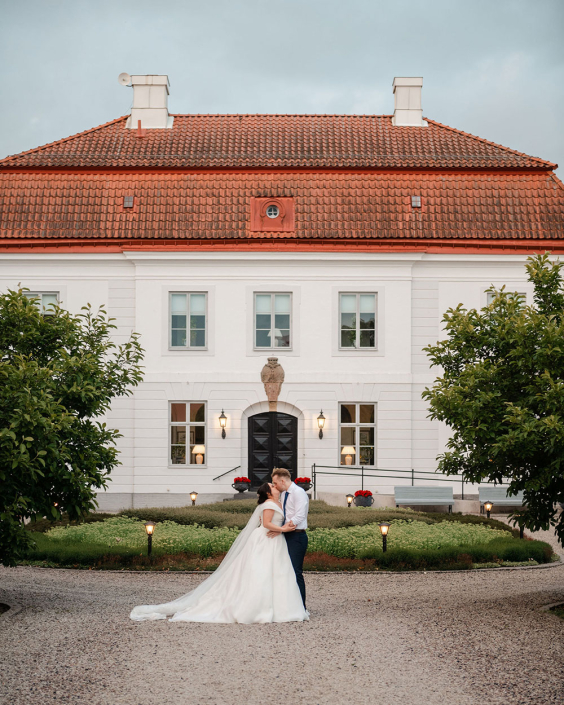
column 295, row 503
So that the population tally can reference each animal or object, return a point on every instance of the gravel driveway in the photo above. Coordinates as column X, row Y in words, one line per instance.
column 409, row 639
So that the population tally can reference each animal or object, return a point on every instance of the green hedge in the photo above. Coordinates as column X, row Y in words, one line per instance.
column 449, row 558
column 321, row 515
column 460, row 557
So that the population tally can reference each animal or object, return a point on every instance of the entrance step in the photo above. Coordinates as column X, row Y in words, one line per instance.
column 242, row 495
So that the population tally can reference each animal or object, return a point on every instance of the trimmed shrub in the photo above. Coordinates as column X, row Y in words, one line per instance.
column 43, row 525
column 510, row 549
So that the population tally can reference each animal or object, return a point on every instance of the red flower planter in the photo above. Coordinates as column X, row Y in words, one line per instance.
column 303, row 482
column 241, row 484
column 363, row 498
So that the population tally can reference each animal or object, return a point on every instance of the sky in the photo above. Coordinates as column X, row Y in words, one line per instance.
column 494, row 68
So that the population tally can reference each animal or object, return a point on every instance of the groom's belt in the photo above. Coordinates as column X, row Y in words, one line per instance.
column 298, row 531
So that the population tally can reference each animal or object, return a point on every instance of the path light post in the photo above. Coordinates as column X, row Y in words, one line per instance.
column 350, row 498
column 193, row 496
column 149, row 528
column 384, row 528
column 519, row 520
column 488, row 507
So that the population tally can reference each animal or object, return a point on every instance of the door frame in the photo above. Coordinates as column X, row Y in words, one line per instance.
column 275, row 461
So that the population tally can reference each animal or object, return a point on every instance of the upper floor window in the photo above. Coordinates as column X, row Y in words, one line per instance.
column 188, row 433
column 273, row 320
column 357, row 428
column 188, row 320
column 45, row 301
column 491, row 296
column 357, row 318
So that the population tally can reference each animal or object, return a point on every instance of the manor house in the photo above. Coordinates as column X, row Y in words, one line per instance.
column 284, row 273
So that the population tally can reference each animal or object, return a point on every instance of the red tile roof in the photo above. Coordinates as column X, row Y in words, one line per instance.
column 343, row 205
column 249, row 141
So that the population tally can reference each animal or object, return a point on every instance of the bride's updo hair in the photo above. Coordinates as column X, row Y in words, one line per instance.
column 264, row 492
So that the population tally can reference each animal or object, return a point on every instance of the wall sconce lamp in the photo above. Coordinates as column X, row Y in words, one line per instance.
column 348, row 452
column 321, row 423
column 193, row 496
column 384, row 528
column 488, row 507
column 149, row 528
column 350, row 498
column 223, row 423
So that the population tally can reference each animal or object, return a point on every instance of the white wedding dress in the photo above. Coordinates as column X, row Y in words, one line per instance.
column 255, row 583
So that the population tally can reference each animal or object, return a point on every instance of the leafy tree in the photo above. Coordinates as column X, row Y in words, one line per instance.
column 502, row 393
column 58, row 375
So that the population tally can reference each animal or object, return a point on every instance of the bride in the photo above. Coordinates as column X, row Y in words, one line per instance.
column 254, row 583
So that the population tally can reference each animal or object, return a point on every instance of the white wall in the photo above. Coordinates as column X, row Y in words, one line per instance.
column 413, row 292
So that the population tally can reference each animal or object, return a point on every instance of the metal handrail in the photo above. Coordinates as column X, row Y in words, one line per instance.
column 362, row 475
column 226, row 473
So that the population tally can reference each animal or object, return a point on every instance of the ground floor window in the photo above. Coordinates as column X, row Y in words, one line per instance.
column 188, row 433
column 357, row 433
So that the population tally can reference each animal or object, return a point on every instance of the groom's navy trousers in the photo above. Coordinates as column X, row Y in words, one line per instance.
column 297, row 547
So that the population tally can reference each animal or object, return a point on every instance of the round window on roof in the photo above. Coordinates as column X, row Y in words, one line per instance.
column 272, row 211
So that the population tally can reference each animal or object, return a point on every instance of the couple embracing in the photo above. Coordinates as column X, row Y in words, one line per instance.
column 260, row 579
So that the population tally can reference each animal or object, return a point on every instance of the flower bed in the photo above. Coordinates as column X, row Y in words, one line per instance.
column 120, row 541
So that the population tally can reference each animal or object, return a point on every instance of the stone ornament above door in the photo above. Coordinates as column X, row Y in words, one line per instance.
column 272, row 376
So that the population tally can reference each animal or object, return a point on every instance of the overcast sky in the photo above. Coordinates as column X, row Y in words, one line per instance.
column 494, row 68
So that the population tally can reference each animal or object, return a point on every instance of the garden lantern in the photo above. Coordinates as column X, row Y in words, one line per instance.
column 348, row 452
column 149, row 528
column 199, row 451
column 223, row 423
column 321, row 423
column 488, row 507
column 384, row 528
column 350, row 498
column 193, row 496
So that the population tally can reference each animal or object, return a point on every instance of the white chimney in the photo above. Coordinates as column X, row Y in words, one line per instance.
column 407, row 102
column 150, row 101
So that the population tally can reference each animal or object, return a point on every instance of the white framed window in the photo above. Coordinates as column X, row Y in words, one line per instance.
column 357, row 434
column 491, row 296
column 187, row 433
column 357, row 321
column 188, row 320
column 44, row 300
column 272, row 321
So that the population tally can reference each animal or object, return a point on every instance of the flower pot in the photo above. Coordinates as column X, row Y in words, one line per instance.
column 304, row 485
column 241, row 486
column 364, row 501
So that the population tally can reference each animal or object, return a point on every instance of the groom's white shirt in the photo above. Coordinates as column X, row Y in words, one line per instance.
column 297, row 505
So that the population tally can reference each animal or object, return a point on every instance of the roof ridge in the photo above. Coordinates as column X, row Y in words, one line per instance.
column 61, row 141
column 492, row 144
column 558, row 181
column 207, row 115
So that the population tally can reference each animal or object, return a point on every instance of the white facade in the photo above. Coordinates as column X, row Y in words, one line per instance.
column 413, row 291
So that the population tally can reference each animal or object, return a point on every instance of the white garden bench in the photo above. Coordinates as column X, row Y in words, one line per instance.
column 499, row 497
column 412, row 495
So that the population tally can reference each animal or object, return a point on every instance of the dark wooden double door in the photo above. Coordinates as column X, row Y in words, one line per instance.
column 273, row 443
